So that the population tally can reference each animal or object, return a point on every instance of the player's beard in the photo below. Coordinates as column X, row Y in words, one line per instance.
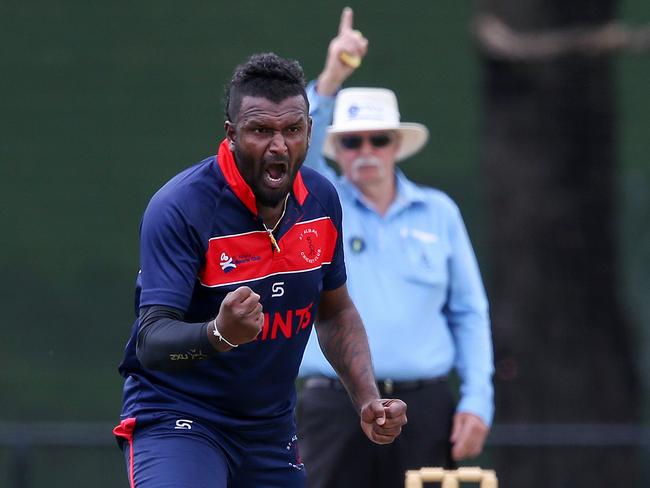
column 254, row 174
column 272, row 197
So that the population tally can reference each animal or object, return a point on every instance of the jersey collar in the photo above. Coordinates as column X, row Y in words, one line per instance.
column 236, row 181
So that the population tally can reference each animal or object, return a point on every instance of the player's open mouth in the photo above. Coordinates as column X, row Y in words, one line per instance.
column 275, row 174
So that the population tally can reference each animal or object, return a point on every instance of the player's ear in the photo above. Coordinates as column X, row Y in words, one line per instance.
column 230, row 133
column 309, row 125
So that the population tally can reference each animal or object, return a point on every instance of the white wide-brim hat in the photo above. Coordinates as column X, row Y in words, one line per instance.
column 370, row 109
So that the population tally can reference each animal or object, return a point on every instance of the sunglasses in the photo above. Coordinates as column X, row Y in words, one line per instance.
column 355, row 142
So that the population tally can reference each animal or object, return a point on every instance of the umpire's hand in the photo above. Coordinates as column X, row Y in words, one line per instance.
column 467, row 436
column 382, row 419
column 348, row 43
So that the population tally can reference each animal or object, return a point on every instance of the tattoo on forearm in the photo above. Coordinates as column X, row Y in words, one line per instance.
column 344, row 341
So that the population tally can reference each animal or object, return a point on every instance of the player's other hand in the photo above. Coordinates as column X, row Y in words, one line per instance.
column 344, row 55
column 467, row 436
column 382, row 419
column 240, row 317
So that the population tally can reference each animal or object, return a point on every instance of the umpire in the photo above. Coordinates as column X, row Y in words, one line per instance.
column 412, row 274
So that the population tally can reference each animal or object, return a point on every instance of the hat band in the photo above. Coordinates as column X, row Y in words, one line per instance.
column 357, row 125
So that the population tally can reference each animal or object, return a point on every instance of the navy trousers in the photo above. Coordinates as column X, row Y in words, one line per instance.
column 175, row 452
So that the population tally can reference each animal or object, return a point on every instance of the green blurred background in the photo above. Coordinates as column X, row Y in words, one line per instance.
column 101, row 103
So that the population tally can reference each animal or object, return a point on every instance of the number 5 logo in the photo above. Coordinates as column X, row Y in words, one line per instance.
column 277, row 289
column 184, row 424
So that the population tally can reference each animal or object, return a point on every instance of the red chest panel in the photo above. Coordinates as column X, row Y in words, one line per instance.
column 246, row 257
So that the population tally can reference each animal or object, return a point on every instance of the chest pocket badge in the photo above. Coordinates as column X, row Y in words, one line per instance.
column 357, row 244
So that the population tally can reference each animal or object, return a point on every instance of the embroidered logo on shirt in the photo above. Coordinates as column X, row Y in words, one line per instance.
column 229, row 263
column 357, row 245
column 226, row 263
column 311, row 250
column 420, row 235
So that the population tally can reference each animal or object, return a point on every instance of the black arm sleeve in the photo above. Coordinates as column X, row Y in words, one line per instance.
column 167, row 343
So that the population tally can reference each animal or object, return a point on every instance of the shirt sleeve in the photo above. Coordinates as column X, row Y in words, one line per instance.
column 335, row 275
column 320, row 110
column 170, row 256
column 467, row 314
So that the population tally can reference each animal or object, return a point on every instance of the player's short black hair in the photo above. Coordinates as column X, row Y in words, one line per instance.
column 264, row 75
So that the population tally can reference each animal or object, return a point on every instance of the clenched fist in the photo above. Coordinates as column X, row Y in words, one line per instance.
column 382, row 420
column 240, row 317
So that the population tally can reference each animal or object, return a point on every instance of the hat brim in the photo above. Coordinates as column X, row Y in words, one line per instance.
column 413, row 137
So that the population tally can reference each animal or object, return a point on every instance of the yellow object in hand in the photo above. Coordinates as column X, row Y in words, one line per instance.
column 351, row 60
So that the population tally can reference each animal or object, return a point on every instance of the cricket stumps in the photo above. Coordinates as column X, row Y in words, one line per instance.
column 451, row 478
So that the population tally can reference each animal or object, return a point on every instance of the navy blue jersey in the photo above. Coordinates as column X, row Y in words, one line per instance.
column 201, row 237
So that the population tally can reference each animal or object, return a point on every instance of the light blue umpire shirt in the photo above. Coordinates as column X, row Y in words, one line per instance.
column 413, row 276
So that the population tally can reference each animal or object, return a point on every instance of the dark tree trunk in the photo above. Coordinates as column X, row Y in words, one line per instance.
column 562, row 342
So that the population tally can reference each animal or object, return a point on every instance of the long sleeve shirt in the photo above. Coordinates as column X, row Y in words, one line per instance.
column 413, row 276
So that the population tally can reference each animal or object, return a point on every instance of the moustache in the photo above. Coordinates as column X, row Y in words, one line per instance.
column 365, row 161
column 276, row 159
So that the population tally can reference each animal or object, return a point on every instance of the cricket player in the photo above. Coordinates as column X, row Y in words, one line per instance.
column 239, row 254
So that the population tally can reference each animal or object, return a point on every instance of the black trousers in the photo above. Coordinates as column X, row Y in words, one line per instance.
column 337, row 454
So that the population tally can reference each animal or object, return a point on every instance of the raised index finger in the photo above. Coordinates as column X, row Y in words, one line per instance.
column 346, row 20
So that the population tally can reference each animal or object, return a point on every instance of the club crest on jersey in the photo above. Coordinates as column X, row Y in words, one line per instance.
column 310, row 250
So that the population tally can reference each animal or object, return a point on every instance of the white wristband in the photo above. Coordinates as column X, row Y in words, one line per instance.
column 221, row 338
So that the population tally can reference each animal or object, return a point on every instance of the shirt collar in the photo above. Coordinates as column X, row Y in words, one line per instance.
column 407, row 193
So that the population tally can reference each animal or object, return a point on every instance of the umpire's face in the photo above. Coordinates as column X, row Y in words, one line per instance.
column 270, row 144
column 367, row 158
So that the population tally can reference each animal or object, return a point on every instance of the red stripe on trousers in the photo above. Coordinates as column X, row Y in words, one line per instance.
column 125, row 431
